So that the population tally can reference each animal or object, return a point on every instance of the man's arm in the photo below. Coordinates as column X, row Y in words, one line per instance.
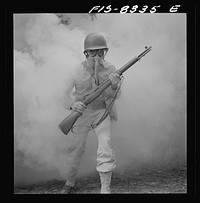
column 68, row 99
column 70, row 103
column 115, row 79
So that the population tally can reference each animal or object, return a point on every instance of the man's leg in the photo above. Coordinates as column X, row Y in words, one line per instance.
column 74, row 155
column 75, row 150
column 106, row 161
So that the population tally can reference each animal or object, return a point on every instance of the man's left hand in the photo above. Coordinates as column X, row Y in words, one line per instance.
column 115, row 79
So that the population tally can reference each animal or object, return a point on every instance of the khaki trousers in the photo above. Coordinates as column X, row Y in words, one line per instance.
column 106, row 160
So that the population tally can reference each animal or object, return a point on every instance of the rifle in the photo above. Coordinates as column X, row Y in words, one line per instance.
column 69, row 121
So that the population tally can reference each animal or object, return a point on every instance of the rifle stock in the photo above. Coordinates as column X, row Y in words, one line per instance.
column 69, row 121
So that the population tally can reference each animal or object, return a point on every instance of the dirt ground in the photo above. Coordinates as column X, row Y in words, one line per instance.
column 133, row 182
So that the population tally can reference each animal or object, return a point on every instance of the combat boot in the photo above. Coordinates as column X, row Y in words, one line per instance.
column 105, row 178
column 67, row 189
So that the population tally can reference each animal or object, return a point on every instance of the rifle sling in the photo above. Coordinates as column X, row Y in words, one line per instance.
column 107, row 111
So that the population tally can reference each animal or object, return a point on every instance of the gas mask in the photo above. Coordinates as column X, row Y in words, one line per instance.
column 96, row 55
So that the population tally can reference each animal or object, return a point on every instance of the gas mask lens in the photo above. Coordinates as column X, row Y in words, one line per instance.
column 94, row 52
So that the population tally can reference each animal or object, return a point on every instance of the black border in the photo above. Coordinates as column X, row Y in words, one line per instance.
column 8, row 142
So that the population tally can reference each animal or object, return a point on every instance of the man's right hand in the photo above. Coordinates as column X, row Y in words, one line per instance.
column 78, row 106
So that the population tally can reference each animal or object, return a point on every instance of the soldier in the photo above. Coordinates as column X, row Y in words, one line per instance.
column 89, row 74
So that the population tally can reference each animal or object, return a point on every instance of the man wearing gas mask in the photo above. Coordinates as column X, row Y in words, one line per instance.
column 88, row 75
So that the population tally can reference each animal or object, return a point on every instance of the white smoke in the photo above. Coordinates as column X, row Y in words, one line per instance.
column 151, row 110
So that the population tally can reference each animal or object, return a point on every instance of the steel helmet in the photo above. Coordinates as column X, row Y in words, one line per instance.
column 95, row 41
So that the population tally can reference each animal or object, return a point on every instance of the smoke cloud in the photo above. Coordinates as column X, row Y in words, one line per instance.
column 151, row 111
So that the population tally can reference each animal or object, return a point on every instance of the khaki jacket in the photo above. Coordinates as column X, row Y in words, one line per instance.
column 82, row 83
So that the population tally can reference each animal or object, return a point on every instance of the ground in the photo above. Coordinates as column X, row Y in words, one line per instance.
column 144, row 181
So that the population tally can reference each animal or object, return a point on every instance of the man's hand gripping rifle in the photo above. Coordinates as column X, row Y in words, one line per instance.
column 66, row 125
